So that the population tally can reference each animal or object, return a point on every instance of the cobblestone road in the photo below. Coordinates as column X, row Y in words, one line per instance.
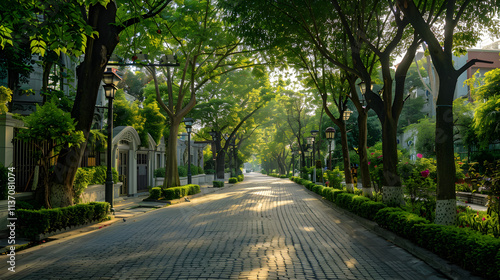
column 261, row 228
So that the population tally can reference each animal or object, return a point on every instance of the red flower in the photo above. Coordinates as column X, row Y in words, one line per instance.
column 372, row 154
column 425, row 173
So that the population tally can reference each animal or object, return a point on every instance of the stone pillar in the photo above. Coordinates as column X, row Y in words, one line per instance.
column 7, row 125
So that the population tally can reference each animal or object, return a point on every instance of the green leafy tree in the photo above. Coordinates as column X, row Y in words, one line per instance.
column 487, row 113
column 5, row 96
column 230, row 107
column 448, row 27
column 50, row 128
column 424, row 132
column 92, row 28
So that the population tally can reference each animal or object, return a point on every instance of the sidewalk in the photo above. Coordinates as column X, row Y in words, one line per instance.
column 125, row 207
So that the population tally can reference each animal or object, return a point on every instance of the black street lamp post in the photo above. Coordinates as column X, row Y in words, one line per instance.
column 189, row 123
column 214, row 152
column 111, row 80
column 314, row 133
column 330, row 134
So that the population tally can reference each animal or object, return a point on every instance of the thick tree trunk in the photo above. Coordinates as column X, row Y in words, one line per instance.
column 392, row 189
column 446, row 196
column 171, row 170
column 221, row 164
column 364, row 171
column 90, row 73
column 346, row 158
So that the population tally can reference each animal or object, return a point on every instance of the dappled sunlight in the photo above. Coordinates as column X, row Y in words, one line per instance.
column 308, row 229
column 284, row 202
column 351, row 263
column 257, row 188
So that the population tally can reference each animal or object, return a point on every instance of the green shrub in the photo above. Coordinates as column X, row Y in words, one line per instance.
column 4, row 186
column 318, row 189
column 263, row 171
column 209, row 171
column 193, row 189
column 233, row 180
column 34, row 222
column 399, row 221
column 467, row 248
column 240, row 177
column 182, row 170
column 336, row 193
column 178, row 192
column 218, row 184
column 155, row 193
column 21, row 204
column 85, row 176
column 159, row 172
column 310, row 185
column 344, row 200
column 335, row 178
column 369, row 209
column 356, row 203
column 82, row 180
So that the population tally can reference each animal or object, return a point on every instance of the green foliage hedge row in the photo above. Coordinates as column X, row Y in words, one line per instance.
column 233, row 180
column 240, row 178
column 34, row 222
column 467, row 248
column 181, row 170
column 85, row 176
column 174, row 193
column 218, row 184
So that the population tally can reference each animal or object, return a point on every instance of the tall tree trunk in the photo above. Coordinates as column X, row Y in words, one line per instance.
column 90, row 73
column 446, row 196
column 364, row 170
column 392, row 190
column 346, row 158
column 221, row 164
column 171, row 169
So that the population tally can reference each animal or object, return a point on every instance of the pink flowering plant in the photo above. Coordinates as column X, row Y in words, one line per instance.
column 419, row 181
column 478, row 220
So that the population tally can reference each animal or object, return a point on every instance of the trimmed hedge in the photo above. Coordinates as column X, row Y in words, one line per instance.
column 240, row 178
column 369, row 209
column 155, row 193
column 233, row 180
column 178, row 192
column 467, row 248
column 34, row 222
column 399, row 221
column 218, row 184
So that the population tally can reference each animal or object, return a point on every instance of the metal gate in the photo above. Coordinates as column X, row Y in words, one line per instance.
column 25, row 155
column 123, row 171
column 142, row 172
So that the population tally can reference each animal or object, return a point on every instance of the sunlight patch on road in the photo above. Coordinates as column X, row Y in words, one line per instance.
column 351, row 263
column 308, row 229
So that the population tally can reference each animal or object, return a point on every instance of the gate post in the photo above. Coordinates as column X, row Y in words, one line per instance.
column 7, row 125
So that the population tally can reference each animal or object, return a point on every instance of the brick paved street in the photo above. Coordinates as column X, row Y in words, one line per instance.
column 262, row 228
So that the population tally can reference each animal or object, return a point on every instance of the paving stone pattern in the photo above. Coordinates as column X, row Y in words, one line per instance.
column 262, row 228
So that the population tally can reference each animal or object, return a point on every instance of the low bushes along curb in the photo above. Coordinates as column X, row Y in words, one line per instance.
column 173, row 193
column 467, row 248
column 34, row 222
